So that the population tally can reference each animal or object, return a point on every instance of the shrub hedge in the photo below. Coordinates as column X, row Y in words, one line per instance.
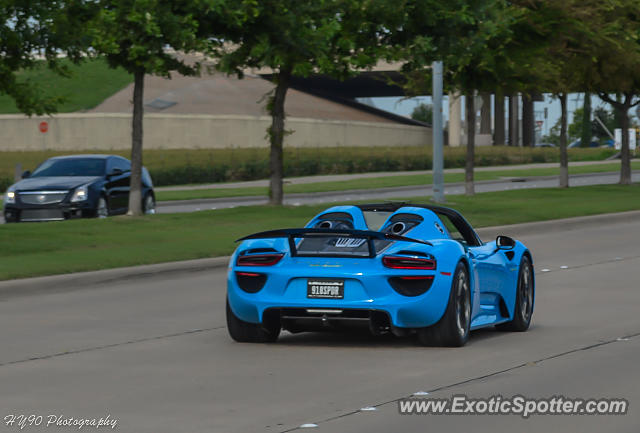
column 5, row 182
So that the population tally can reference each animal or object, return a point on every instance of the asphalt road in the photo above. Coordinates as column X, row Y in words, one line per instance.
column 153, row 353
column 390, row 193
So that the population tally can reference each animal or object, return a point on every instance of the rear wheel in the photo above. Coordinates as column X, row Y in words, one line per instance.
column 525, row 293
column 245, row 332
column 453, row 328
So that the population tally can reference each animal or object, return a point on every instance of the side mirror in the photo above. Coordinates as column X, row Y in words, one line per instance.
column 505, row 242
column 115, row 172
column 26, row 174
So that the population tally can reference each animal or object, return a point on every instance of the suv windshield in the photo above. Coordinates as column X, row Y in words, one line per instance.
column 71, row 167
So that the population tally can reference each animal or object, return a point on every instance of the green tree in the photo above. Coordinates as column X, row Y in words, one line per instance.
column 610, row 122
column 35, row 31
column 423, row 113
column 295, row 38
column 566, row 35
column 576, row 127
column 613, row 67
column 143, row 36
column 554, row 134
column 483, row 47
column 579, row 127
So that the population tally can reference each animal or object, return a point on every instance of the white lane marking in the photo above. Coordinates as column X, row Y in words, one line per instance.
column 368, row 409
column 545, row 270
column 564, row 267
column 622, row 339
column 310, row 425
column 420, row 393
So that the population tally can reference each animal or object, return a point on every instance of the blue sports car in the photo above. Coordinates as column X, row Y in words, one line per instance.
column 393, row 267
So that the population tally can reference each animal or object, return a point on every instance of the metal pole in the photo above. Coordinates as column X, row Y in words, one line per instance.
column 438, row 152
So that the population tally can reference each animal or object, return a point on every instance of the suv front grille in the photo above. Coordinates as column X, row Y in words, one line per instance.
column 42, row 197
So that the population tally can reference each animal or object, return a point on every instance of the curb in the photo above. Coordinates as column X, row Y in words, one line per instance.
column 77, row 281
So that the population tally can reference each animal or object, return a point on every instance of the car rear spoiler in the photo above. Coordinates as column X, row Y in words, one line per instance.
column 370, row 236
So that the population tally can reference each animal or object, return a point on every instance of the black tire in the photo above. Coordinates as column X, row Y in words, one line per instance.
column 102, row 212
column 245, row 332
column 149, row 204
column 525, row 294
column 452, row 329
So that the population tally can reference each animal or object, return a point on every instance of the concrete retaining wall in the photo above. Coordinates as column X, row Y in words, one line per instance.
column 99, row 131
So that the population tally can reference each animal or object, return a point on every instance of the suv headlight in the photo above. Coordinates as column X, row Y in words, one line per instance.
column 10, row 197
column 80, row 194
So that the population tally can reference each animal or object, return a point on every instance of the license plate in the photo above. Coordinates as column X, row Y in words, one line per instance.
column 325, row 288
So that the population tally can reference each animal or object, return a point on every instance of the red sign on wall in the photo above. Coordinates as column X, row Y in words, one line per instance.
column 44, row 127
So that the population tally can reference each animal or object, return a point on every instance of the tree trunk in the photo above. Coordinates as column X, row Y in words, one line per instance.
column 276, row 136
column 498, row 129
column 485, row 114
column 471, row 135
column 514, row 133
column 625, row 156
column 564, row 160
column 528, row 121
column 135, row 189
column 586, row 133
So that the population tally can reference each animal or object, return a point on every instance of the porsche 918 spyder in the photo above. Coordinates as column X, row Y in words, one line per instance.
column 402, row 268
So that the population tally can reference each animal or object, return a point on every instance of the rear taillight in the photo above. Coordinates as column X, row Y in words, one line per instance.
column 251, row 282
column 399, row 262
column 259, row 259
column 411, row 285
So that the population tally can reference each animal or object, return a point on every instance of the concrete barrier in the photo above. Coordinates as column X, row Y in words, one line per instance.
column 112, row 131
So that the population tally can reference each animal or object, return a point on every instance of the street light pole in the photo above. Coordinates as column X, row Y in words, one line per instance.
column 438, row 139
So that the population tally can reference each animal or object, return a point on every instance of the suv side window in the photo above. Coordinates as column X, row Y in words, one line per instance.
column 120, row 163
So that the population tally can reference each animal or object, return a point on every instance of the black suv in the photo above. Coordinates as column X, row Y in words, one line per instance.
column 74, row 187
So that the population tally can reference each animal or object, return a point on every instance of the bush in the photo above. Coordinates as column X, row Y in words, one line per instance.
column 5, row 182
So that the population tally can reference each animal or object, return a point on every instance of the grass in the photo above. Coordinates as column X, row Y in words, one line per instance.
column 381, row 182
column 52, row 248
column 90, row 83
